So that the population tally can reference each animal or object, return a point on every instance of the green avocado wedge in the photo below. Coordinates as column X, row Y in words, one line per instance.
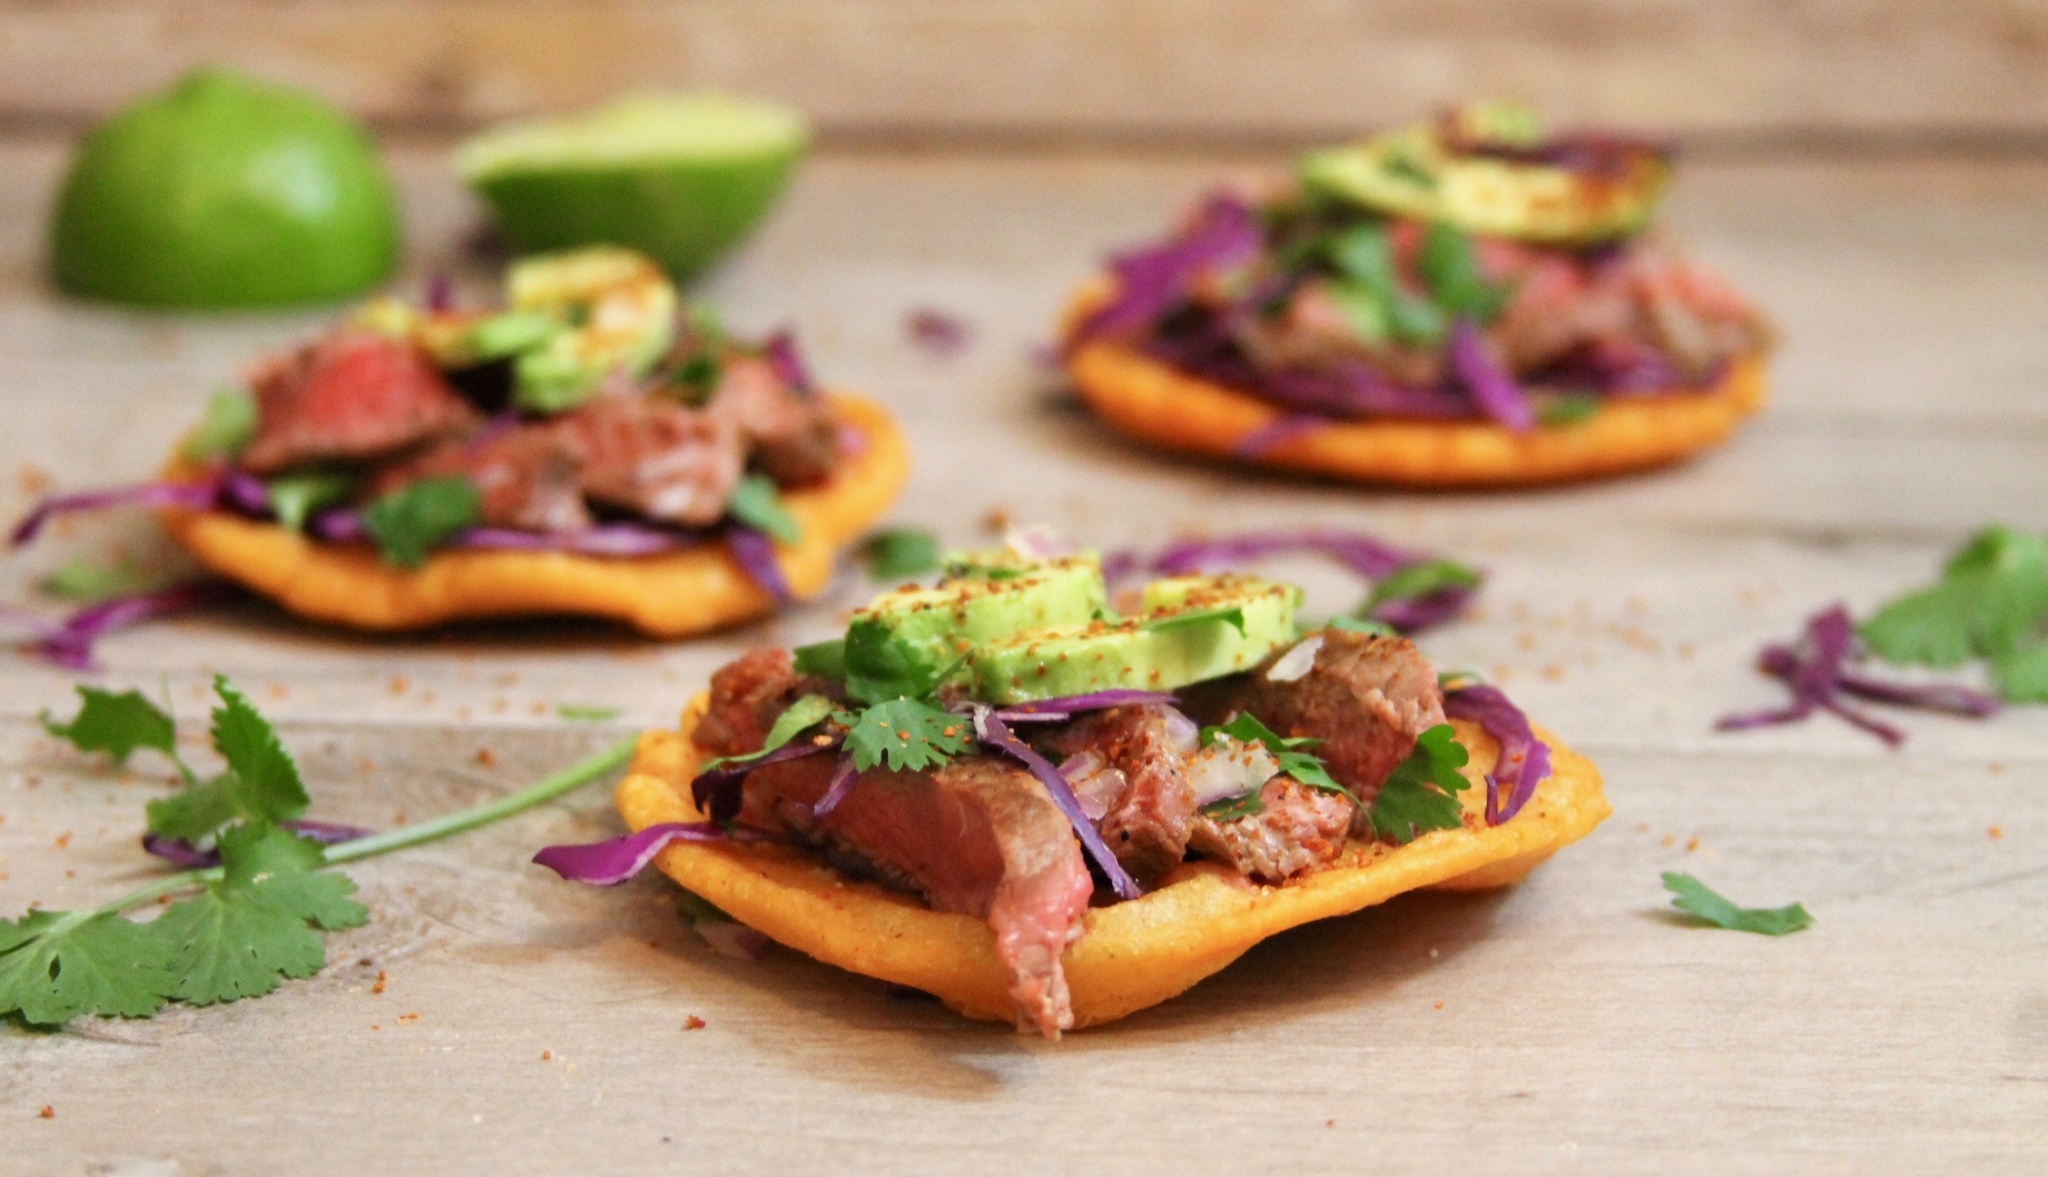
column 224, row 192
column 679, row 178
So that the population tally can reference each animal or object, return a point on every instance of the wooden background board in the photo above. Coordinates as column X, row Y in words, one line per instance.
column 1566, row 1026
column 1756, row 73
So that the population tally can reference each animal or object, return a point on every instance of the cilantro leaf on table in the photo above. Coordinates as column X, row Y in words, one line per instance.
column 246, row 932
column 2022, row 674
column 1696, row 899
column 1232, row 615
column 261, row 782
column 409, row 523
column 588, row 712
column 1991, row 600
column 909, row 735
column 901, row 551
column 1303, row 766
column 757, row 503
column 57, row 965
column 805, row 713
column 117, row 724
column 226, row 429
column 1421, row 794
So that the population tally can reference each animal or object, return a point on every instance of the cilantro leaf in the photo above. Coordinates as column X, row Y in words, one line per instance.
column 588, row 712
column 756, row 503
column 88, row 583
column 294, row 497
column 880, row 666
column 1450, row 268
column 410, row 522
column 116, row 724
column 1420, row 580
column 1365, row 257
column 805, row 713
column 911, row 736
column 1421, row 794
column 2022, row 674
column 267, row 781
column 1232, row 615
column 226, row 429
column 1302, row 766
column 901, row 551
column 1565, row 408
column 52, row 970
column 1696, row 899
column 241, row 935
column 1246, row 804
column 824, row 659
column 1992, row 599
column 196, row 812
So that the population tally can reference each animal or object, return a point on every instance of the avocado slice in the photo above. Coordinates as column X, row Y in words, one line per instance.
column 906, row 640
column 1190, row 631
column 616, row 309
column 1414, row 174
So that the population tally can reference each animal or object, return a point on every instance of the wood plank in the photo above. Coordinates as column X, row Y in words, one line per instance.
column 1145, row 69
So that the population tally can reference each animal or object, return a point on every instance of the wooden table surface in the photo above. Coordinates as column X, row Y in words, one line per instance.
column 1564, row 1026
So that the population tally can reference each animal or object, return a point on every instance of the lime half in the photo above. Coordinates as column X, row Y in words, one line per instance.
column 225, row 192
column 680, row 179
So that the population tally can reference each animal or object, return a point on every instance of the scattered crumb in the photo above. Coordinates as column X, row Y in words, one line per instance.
column 35, row 482
column 400, row 684
column 1693, row 844
column 1553, row 673
column 1643, row 827
column 1439, row 1005
column 383, row 979
column 366, row 766
column 398, row 819
column 64, row 840
column 1995, row 833
column 1526, row 639
column 364, row 962
column 509, row 678
column 499, row 704
column 375, row 1026
column 1685, row 651
column 996, row 521
column 1668, row 840
column 1329, row 1123
column 486, row 757
column 547, row 1056
column 276, row 690
column 411, row 1017
column 48, row 1112
column 693, row 1022
column 1997, row 768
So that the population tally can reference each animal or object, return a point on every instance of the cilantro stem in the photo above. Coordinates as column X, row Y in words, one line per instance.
column 568, row 780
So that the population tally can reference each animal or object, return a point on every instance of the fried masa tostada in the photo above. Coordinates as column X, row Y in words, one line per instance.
column 1069, row 838
column 1467, row 303
column 594, row 447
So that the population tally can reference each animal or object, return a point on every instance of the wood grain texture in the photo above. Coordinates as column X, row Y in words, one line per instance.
column 1124, row 69
column 1580, row 1030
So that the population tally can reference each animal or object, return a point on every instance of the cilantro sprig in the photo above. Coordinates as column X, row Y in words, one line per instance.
column 756, row 502
column 1422, row 792
column 409, row 523
column 900, row 551
column 1991, row 603
column 911, row 735
column 1708, row 906
column 1290, row 751
column 238, row 929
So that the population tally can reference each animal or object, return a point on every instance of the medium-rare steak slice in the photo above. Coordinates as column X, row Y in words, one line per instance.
column 653, row 456
column 527, row 474
column 1299, row 830
column 1146, row 823
column 349, row 396
column 1365, row 697
column 791, row 437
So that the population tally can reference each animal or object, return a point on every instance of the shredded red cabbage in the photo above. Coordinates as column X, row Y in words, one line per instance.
column 755, row 554
column 1349, row 388
column 1817, row 672
column 1492, row 387
column 70, row 643
column 844, row 776
column 717, row 792
column 1524, row 759
column 781, row 352
column 198, row 495
column 611, row 862
column 245, row 493
column 607, row 539
column 1068, row 706
column 338, row 526
column 1283, row 429
column 937, row 333
column 993, row 733
column 1415, row 614
column 1153, row 280
column 185, row 854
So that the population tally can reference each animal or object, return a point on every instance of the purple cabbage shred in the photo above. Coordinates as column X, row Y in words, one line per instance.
column 937, row 333
column 994, row 733
column 782, row 355
column 196, row 495
column 1153, row 280
column 614, row 861
column 755, row 554
column 70, row 643
column 1490, row 384
column 1524, row 760
column 185, row 854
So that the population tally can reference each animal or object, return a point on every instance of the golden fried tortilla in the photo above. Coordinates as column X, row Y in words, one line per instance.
column 1154, row 402
column 1132, row 955
column 674, row 594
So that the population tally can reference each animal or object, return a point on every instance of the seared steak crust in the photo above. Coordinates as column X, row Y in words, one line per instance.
column 653, row 456
column 350, row 395
column 790, row 437
column 748, row 695
column 1300, row 830
column 1146, row 824
column 527, row 476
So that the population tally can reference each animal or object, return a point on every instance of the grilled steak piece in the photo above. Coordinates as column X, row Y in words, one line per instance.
column 1146, row 823
column 655, row 457
column 1366, row 698
column 350, row 395
column 1300, row 830
column 979, row 836
column 790, row 437
column 527, row 474
column 747, row 696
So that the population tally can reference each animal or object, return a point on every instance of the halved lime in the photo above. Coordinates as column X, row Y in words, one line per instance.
column 225, row 192
column 679, row 178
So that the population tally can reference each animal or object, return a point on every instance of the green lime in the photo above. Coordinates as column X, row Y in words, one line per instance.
column 680, row 179
column 225, row 192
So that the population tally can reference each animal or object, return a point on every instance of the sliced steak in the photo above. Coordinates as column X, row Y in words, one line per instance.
column 1300, row 830
column 790, row 437
column 747, row 696
column 1146, row 824
column 1365, row 697
column 528, row 476
column 652, row 456
column 979, row 836
column 351, row 395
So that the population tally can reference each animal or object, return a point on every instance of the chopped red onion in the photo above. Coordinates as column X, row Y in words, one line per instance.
column 1227, row 768
column 70, row 644
column 1068, row 706
column 937, row 333
column 1037, row 542
column 993, row 733
column 1817, row 672
column 1364, row 554
column 1492, row 386
column 1152, row 280
column 611, row 862
column 1524, row 759
column 781, row 352
column 755, row 554
column 197, row 495
column 1415, row 614
column 606, row 539
column 1283, row 429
